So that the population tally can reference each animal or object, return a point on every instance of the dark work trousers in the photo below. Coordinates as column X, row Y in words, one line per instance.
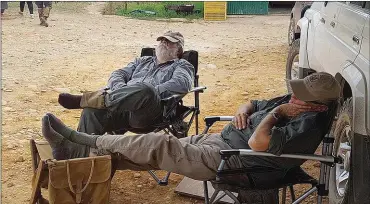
column 29, row 5
column 134, row 106
column 42, row 4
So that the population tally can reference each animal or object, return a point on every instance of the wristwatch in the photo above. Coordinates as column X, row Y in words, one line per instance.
column 275, row 115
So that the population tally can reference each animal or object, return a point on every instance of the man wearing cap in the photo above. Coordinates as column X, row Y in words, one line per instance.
column 293, row 123
column 133, row 95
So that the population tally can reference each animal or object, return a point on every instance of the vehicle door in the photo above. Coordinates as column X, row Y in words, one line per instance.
column 320, row 34
column 347, row 34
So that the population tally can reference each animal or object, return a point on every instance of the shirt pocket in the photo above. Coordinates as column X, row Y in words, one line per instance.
column 256, row 119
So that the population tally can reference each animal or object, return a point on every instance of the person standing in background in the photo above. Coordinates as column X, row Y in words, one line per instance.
column 4, row 5
column 29, row 5
column 43, row 8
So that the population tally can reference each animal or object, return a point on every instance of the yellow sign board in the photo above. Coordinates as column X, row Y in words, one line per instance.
column 215, row 10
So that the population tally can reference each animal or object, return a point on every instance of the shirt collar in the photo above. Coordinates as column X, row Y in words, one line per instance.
column 165, row 63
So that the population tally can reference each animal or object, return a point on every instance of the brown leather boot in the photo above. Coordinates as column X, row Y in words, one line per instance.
column 46, row 14
column 41, row 16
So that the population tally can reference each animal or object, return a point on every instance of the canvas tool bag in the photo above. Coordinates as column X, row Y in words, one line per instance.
column 82, row 180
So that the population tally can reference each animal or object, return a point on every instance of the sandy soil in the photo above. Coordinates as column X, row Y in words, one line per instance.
column 240, row 59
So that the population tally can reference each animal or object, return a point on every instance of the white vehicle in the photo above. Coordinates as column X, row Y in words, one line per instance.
column 334, row 38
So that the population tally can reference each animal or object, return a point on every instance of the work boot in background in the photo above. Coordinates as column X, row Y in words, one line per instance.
column 41, row 16
column 46, row 13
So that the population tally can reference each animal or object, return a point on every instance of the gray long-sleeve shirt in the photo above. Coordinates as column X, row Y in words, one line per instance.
column 169, row 78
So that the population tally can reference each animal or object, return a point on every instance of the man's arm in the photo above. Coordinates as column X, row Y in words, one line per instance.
column 120, row 77
column 262, row 135
column 181, row 81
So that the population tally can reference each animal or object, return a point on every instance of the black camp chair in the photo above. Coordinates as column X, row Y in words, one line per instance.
column 239, row 181
column 175, row 112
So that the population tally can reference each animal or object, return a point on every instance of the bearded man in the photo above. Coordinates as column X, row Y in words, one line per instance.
column 133, row 95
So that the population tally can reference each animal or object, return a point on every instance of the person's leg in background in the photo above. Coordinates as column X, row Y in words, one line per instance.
column 30, row 8
column 21, row 7
column 40, row 9
column 44, row 11
column 29, row 5
column 4, row 5
column 47, row 8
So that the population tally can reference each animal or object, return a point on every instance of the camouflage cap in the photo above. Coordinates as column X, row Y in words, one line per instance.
column 175, row 37
column 316, row 87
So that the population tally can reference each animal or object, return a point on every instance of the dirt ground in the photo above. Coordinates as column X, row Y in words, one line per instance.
column 240, row 59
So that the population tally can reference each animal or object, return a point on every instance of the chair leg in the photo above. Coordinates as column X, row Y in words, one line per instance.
column 206, row 197
column 223, row 194
column 283, row 195
column 214, row 196
column 319, row 199
column 305, row 195
column 292, row 194
column 161, row 182
column 232, row 196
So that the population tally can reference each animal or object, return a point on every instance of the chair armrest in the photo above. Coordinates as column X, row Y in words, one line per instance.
column 180, row 96
column 209, row 120
column 198, row 89
column 174, row 97
column 248, row 152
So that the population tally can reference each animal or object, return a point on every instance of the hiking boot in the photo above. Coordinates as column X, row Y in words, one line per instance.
column 46, row 12
column 43, row 22
column 41, row 16
column 20, row 13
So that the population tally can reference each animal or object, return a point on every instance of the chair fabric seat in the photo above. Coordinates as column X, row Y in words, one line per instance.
column 237, row 180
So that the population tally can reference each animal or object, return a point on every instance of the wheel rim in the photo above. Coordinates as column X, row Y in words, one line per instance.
column 295, row 68
column 342, row 170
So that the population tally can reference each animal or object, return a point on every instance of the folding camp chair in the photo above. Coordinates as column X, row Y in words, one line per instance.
column 238, row 180
column 175, row 112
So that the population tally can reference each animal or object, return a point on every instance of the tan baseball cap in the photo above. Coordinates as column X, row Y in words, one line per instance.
column 174, row 37
column 316, row 87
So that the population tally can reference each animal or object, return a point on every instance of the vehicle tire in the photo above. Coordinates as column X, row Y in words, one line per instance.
column 340, row 182
column 291, row 31
column 292, row 70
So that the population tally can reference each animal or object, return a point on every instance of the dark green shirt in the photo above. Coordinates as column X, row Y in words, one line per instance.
column 301, row 134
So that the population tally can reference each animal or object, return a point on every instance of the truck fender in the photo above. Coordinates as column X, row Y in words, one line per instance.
column 357, row 81
column 303, row 57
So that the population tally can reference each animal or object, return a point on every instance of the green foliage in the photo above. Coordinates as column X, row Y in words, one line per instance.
column 126, row 8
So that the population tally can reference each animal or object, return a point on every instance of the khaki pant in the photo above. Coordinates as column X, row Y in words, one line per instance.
column 196, row 157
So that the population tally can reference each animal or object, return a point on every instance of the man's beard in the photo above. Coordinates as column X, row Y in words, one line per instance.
column 165, row 54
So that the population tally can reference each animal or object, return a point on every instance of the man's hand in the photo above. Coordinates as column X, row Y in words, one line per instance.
column 290, row 110
column 241, row 120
